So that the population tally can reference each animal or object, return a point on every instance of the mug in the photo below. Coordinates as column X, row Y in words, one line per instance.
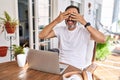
column 75, row 75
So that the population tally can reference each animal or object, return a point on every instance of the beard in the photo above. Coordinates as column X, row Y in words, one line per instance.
column 71, row 23
column 72, row 26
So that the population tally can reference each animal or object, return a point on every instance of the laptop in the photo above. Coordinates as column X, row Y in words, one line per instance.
column 45, row 61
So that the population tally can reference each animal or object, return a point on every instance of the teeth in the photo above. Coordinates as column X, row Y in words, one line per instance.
column 70, row 22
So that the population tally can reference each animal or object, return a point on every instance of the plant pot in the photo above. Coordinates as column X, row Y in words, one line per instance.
column 3, row 51
column 21, row 60
column 10, row 28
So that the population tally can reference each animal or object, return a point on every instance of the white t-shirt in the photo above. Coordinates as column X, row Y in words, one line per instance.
column 73, row 45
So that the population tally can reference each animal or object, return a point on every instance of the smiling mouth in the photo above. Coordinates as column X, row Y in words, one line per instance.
column 70, row 21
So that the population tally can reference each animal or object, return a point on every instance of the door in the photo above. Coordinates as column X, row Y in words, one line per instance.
column 34, row 15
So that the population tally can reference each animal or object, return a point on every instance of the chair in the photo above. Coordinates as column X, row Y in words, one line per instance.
column 90, row 58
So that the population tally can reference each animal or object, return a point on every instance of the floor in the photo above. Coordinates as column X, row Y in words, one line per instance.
column 109, row 69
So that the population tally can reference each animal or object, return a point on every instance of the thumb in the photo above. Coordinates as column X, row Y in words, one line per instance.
column 61, row 12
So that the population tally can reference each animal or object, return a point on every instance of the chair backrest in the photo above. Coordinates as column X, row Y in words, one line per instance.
column 90, row 56
column 94, row 52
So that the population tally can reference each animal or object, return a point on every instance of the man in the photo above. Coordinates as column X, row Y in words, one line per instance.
column 73, row 38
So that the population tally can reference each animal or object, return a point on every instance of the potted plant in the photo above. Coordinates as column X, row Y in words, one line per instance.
column 19, row 54
column 9, row 23
column 17, row 50
column 102, row 50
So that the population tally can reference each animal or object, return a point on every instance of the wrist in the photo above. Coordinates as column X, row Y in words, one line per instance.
column 55, row 21
column 87, row 24
column 84, row 23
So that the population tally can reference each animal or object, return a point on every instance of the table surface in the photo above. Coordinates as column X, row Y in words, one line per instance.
column 11, row 71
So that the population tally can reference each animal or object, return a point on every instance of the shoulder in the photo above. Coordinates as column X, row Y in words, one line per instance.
column 59, row 28
column 83, row 30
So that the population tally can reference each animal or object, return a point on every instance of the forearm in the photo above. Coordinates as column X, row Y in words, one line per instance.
column 47, row 29
column 96, row 35
column 47, row 32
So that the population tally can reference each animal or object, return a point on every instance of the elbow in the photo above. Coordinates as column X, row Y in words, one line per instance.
column 102, row 40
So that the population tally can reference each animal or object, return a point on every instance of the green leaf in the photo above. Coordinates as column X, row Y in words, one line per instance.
column 18, row 50
column 102, row 50
column 3, row 19
column 7, row 16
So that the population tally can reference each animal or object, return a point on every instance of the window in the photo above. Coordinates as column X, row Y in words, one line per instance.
column 116, row 17
column 78, row 4
column 44, row 19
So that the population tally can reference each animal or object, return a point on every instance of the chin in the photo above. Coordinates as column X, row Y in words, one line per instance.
column 71, row 26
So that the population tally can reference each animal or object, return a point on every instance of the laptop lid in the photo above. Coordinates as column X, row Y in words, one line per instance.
column 44, row 61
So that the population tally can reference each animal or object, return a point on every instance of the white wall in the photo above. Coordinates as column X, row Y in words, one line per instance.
column 12, row 8
column 107, row 12
column 98, row 1
column 90, row 17
column 62, row 4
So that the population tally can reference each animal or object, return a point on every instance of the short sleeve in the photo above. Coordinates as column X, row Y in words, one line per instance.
column 57, row 31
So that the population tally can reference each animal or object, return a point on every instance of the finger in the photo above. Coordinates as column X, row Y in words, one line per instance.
column 65, row 17
column 77, row 14
column 60, row 12
column 73, row 16
column 80, row 15
column 73, row 13
column 66, row 13
column 74, row 19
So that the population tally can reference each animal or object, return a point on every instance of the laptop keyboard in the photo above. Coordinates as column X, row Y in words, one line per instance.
column 61, row 69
